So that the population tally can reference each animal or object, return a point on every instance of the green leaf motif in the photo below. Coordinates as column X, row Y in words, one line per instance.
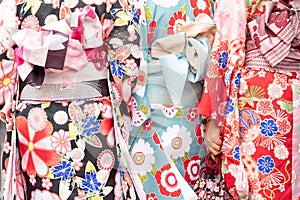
column 183, row 9
column 154, row 170
column 143, row 178
column 179, row 113
column 288, row 107
column 254, row 93
column 148, row 13
column 185, row 157
column 144, row 109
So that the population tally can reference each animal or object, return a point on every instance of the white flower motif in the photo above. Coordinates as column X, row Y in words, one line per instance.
column 143, row 156
column 116, row 42
column 50, row 19
column 106, row 160
column 166, row 3
column 71, row 3
column 61, row 141
column 77, row 154
column 248, row 148
column 281, row 152
column 60, row 117
column 43, row 194
column 176, row 141
column 47, row 183
column 261, row 74
column 275, row 91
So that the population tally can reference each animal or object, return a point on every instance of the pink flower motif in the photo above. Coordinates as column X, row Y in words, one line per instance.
column 31, row 22
column 37, row 119
column 130, row 64
column 61, row 141
column 46, row 183
column 8, row 81
column 7, row 147
column 78, row 166
column 32, row 179
column 192, row 115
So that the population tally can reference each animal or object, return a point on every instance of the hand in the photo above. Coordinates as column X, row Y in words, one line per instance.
column 212, row 140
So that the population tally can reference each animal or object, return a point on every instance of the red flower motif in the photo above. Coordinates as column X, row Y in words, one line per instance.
column 192, row 169
column 152, row 27
column 192, row 115
column 167, row 181
column 200, row 6
column 35, row 146
column 151, row 196
column 198, row 132
column 148, row 125
column 157, row 140
column 106, row 125
column 176, row 21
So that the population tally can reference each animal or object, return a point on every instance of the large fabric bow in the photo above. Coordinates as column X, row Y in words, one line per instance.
column 274, row 31
column 184, row 56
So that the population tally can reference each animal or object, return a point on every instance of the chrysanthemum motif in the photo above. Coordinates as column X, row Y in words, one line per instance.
column 37, row 118
column 143, row 156
column 176, row 141
column 106, row 160
column 60, row 117
column 166, row 3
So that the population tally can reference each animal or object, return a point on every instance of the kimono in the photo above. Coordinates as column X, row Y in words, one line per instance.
column 156, row 88
column 252, row 85
column 55, row 102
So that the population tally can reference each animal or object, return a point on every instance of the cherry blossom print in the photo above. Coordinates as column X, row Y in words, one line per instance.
column 46, row 183
column 284, row 125
column 281, row 152
column 192, row 169
column 35, row 148
column 37, row 119
column 6, row 147
column 142, row 155
column 8, row 81
column 176, row 141
column 192, row 115
column 43, row 194
column 167, row 181
column 71, row 3
column 265, row 107
column 60, row 117
column 89, row 108
column 130, row 64
column 31, row 22
column 248, row 148
column 106, row 160
column 281, row 79
column 200, row 6
column 77, row 154
column 166, row 3
column 176, row 22
column 61, row 141
column 275, row 91
column 32, row 179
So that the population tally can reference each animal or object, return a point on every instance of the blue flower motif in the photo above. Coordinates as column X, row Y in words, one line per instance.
column 116, row 68
column 268, row 127
column 230, row 107
column 227, row 77
column 63, row 170
column 135, row 16
column 237, row 80
column 90, row 184
column 223, row 59
column 91, row 126
column 265, row 164
column 236, row 153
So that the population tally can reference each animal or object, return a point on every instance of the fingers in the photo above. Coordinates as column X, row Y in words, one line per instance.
column 213, row 147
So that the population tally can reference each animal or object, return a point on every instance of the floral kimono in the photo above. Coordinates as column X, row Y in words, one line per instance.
column 55, row 103
column 253, row 86
column 155, row 90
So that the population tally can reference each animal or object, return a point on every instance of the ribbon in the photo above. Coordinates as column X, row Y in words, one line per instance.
column 274, row 31
column 184, row 55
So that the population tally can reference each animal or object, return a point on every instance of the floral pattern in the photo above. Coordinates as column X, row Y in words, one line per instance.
column 259, row 147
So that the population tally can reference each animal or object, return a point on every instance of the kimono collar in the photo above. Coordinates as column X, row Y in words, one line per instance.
column 274, row 31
